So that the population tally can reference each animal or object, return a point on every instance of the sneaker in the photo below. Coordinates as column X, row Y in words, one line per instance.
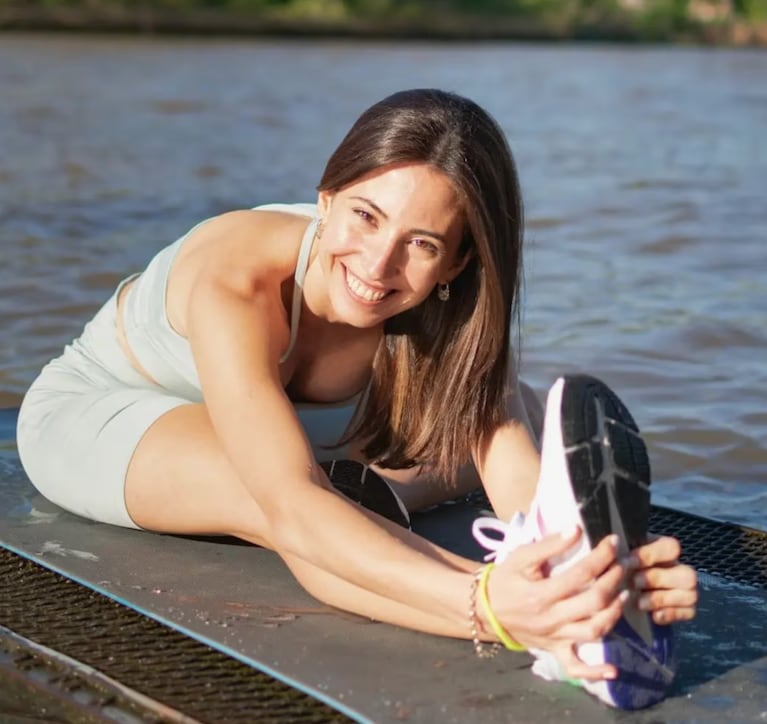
column 360, row 484
column 595, row 473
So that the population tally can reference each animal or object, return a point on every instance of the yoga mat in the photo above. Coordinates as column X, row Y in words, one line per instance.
column 242, row 600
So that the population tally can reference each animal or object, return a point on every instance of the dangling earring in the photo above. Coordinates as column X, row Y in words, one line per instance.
column 443, row 292
column 318, row 230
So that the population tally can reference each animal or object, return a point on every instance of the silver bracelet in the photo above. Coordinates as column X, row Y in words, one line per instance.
column 482, row 651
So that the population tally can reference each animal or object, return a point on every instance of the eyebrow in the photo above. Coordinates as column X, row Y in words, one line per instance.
column 379, row 210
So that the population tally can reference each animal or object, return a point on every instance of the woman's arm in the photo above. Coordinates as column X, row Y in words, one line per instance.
column 236, row 337
column 237, row 331
column 509, row 461
column 507, row 466
column 510, row 465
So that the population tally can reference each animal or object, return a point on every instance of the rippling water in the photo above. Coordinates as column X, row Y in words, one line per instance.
column 644, row 172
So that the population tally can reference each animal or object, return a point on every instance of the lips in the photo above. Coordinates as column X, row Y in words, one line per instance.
column 364, row 291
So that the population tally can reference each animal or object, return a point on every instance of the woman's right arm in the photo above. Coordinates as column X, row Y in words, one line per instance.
column 235, row 326
column 237, row 333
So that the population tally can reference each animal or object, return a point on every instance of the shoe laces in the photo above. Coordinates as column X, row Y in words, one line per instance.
column 508, row 536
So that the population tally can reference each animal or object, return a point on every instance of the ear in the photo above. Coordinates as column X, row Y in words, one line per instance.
column 324, row 201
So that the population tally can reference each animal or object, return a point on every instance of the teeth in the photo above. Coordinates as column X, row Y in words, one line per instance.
column 363, row 290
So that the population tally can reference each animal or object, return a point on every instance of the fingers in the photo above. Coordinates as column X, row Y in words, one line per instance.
column 574, row 668
column 666, row 577
column 669, row 606
column 586, row 615
column 584, row 572
column 655, row 600
column 587, row 601
column 588, row 586
column 584, row 602
column 535, row 556
column 658, row 551
column 532, row 561
column 667, row 590
column 665, row 616
column 597, row 624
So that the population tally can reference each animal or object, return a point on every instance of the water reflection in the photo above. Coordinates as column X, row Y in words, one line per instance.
column 643, row 171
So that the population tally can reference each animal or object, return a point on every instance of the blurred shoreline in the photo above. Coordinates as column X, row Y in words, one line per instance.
column 445, row 25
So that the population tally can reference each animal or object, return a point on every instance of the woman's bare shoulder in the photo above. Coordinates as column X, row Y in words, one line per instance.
column 244, row 251
column 246, row 244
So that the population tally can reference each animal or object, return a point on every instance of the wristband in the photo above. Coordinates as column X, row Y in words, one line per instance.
column 495, row 624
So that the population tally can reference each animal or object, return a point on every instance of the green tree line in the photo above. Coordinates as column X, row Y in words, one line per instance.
column 755, row 10
column 619, row 19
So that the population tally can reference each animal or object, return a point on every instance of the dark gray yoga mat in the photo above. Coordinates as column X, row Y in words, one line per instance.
column 241, row 600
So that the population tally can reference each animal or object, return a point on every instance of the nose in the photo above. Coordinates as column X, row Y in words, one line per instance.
column 382, row 256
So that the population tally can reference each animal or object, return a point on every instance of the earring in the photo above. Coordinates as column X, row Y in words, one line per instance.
column 443, row 292
column 318, row 230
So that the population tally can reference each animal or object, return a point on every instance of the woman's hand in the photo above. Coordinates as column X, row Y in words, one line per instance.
column 579, row 604
column 661, row 584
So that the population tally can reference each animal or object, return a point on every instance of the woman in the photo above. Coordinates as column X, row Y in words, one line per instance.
column 186, row 405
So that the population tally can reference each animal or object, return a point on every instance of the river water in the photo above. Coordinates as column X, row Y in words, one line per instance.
column 644, row 172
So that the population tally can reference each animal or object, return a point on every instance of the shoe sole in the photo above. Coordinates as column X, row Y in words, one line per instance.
column 610, row 477
column 607, row 460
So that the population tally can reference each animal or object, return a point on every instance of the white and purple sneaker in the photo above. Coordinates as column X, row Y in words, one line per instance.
column 595, row 473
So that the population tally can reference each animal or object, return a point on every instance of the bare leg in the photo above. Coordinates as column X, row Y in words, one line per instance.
column 195, row 490
column 180, row 481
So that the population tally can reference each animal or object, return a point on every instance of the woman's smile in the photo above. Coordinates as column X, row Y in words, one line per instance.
column 363, row 291
column 388, row 239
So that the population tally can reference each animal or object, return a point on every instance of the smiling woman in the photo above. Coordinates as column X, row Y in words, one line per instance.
column 374, row 325
column 389, row 242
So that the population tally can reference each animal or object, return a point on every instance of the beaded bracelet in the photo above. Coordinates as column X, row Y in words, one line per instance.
column 495, row 624
column 474, row 623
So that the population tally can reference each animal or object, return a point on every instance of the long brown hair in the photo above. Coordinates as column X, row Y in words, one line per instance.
column 439, row 376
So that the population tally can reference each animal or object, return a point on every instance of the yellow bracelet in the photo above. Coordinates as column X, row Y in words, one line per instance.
column 495, row 624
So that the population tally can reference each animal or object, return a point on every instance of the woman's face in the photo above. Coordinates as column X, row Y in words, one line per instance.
column 387, row 240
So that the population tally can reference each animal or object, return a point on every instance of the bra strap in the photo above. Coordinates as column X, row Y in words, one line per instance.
column 298, row 284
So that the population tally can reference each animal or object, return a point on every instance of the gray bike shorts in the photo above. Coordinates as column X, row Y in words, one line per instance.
column 83, row 417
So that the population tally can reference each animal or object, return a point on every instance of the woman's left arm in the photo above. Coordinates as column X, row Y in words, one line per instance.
column 509, row 466
column 509, row 461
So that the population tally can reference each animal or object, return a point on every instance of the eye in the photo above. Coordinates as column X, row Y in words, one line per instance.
column 366, row 216
column 424, row 247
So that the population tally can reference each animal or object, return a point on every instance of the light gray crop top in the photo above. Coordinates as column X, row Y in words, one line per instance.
column 163, row 352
